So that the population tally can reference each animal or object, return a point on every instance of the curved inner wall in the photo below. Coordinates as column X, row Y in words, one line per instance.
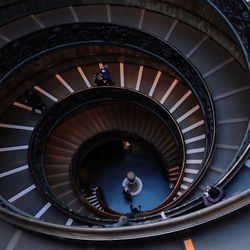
column 189, row 59
column 107, row 165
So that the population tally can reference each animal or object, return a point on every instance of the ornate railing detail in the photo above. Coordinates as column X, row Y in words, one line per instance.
column 237, row 12
column 90, row 144
column 47, row 40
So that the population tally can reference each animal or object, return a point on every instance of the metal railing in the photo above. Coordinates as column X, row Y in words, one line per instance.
column 167, row 226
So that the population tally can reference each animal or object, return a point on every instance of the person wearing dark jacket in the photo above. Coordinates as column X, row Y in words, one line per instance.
column 103, row 77
column 99, row 79
column 106, row 74
column 34, row 100
column 127, row 194
column 212, row 195
column 134, row 210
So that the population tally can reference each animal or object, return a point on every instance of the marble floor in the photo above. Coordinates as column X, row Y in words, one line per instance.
column 108, row 167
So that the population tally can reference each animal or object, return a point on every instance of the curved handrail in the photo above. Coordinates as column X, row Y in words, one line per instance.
column 236, row 165
column 86, row 33
column 225, row 177
column 139, row 41
column 165, row 7
column 236, row 15
column 88, row 145
column 82, row 99
column 157, row 228
column 103, row 203
column 107, row 212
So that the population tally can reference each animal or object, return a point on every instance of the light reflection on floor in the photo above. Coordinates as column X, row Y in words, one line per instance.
column 112, row 172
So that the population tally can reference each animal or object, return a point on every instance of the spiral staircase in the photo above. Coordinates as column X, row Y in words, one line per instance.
column 180, row 92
